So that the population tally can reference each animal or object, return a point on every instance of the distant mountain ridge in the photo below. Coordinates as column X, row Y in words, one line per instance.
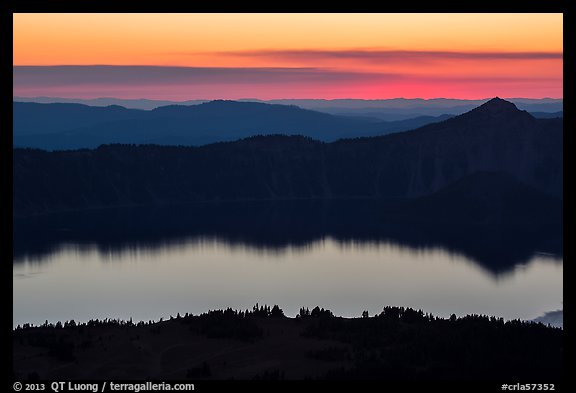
column 60, row 126
column 411, row 104
column 495, row 137
column 74, row 126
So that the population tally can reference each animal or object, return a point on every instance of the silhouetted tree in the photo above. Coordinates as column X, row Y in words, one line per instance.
column 276, row 311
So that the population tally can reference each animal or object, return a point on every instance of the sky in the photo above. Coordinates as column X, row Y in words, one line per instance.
column 272, row 56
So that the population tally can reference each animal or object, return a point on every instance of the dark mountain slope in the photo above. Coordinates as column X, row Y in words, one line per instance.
column 495, row 137
column 488, row 198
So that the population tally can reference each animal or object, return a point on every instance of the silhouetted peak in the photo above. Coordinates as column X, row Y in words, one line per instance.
column 498, row 106
column 495, row 110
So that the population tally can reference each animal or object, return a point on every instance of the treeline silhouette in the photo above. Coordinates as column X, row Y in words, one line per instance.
column 230, row 323
column 398, row 343
column 403, row 343
column 211, row 315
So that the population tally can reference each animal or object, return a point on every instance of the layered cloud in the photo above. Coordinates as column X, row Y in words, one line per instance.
column 276, row 82
column 53, row 76
column 188, row 82
column 204, row 56
column 391, row 55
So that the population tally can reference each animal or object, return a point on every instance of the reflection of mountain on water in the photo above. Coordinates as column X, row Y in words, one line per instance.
column 273, row 226
column 552, row 318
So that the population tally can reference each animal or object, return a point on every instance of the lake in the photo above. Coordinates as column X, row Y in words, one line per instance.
column 151, row 264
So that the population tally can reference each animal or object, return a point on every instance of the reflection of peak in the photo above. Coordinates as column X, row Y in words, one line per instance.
column 277, row 226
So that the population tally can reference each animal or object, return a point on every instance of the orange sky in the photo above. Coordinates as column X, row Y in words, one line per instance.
column 360, row 55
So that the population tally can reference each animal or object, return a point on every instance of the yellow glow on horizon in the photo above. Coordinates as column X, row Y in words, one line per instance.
column 194, row 39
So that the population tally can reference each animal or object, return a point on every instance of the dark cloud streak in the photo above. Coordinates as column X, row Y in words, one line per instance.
column 392, row 55
column 47, row 76
column 205, row 82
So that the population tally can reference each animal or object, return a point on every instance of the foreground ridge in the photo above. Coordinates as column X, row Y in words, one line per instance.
column 262, row 343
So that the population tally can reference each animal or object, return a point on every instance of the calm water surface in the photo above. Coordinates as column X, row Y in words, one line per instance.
column 83, row 282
